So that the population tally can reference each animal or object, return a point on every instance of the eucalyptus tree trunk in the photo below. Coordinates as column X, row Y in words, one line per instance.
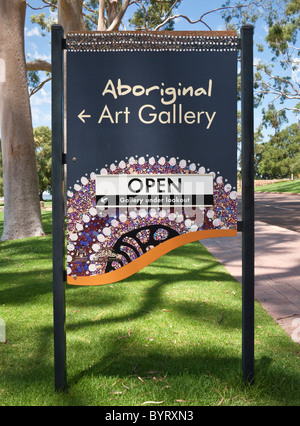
column 70, row 15
column 22, row 216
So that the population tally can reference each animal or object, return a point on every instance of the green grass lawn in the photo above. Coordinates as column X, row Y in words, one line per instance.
column 288, row 186
column 169, row 334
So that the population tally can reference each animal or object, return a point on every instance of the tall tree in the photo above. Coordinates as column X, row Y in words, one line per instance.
column 282, row 20
column 42, row 141
column 278, row 158
column 1, row 173
column 22, row 216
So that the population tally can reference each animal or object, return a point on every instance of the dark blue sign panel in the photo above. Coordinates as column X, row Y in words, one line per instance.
column 151, row 148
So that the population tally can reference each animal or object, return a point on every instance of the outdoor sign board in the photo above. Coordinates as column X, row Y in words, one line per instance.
column 150, row 158
column 151, row 147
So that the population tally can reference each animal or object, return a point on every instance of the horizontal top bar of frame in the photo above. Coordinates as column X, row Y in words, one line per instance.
column 153, row 41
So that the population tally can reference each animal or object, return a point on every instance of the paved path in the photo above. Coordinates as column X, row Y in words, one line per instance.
column 277, row 270
column 278, row 209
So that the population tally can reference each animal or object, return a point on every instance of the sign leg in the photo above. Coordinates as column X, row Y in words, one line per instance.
column 58, row 236
column 247, row 203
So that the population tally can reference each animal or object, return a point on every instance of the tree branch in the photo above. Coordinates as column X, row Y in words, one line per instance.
column 36, row 8
column 170, row 11
column 101, row 20
column 142, row 6
column 48, row 4
column 285, row 82
column 117, row 21
column 171, row 18
column 36, row 89
column 38, row 65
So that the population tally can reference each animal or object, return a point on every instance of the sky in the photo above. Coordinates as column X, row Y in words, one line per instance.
column 37, row 46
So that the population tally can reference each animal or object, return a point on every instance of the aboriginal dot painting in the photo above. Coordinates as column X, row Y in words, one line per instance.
column 151, row 148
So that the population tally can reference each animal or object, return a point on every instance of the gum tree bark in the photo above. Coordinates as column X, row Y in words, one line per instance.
column 22, row 216
column 70, row 15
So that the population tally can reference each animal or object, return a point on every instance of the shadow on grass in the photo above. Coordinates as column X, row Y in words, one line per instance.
column 195, row 371
column 199, row 310
column 197, row 361
column 206, row 270
column 26, row 269
column 109, row 355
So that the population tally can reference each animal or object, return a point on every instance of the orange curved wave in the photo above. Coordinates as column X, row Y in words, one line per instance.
column 149, row 257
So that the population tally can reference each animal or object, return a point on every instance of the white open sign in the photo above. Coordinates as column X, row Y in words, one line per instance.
column 154, row 190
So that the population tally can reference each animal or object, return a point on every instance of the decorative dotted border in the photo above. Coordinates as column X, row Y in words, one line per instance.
column 151, row 41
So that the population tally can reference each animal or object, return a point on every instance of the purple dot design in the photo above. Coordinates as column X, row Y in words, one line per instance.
column 92, row 232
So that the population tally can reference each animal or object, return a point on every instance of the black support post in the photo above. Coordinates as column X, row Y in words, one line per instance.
column 58, row 232
column 247, row 202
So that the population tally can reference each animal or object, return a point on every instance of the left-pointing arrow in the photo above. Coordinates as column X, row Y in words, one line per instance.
column 82, row 116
